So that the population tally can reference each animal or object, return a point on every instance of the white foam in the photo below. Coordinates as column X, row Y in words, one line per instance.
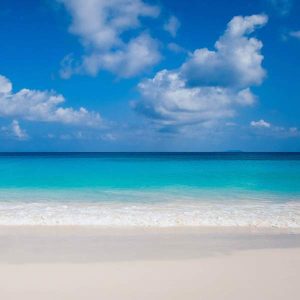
column 167, row 214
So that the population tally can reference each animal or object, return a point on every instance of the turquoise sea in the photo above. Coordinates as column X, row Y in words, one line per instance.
column 150, row 189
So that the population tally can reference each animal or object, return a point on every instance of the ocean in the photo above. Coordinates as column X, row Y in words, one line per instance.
column 150, row 189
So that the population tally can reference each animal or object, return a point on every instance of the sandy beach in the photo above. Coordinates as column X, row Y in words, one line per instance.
column 178, row 263
column 149, row 150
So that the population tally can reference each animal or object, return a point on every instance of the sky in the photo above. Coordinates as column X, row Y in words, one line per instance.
column 141, row 75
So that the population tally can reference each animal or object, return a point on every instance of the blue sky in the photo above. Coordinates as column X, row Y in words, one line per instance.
column 135, row 75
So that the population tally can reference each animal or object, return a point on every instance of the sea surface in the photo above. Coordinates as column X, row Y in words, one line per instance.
column 150, row 189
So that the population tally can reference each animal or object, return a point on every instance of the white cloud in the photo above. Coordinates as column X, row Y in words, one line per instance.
column 100, row 25
column 210, row 85
column 5, row 85
column 260, row 124
column 266, row 128
column 69, row 66
column 84, row 136
column 14, row 130
column 167, row 100
column 295, row 34
column 44, row 106
column 237, row 60
column 172, row 26
column 140, row 53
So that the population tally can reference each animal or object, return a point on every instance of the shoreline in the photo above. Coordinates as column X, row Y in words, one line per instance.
column 167, row 214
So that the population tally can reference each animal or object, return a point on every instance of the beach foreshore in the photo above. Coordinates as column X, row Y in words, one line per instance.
column 60, row 262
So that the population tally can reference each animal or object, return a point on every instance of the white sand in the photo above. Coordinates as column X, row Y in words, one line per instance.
column 90, row 263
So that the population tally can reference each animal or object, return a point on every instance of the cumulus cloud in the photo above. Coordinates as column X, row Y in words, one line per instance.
column 172, row 26
column 100, row 25
column 168, row 100
column 140, row 53
column 210, row 85
column 236, row 62
column 260, row 124
column 44, row 106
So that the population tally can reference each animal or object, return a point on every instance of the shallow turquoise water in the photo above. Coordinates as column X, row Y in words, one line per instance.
column 275, row 173
column 181, row 182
